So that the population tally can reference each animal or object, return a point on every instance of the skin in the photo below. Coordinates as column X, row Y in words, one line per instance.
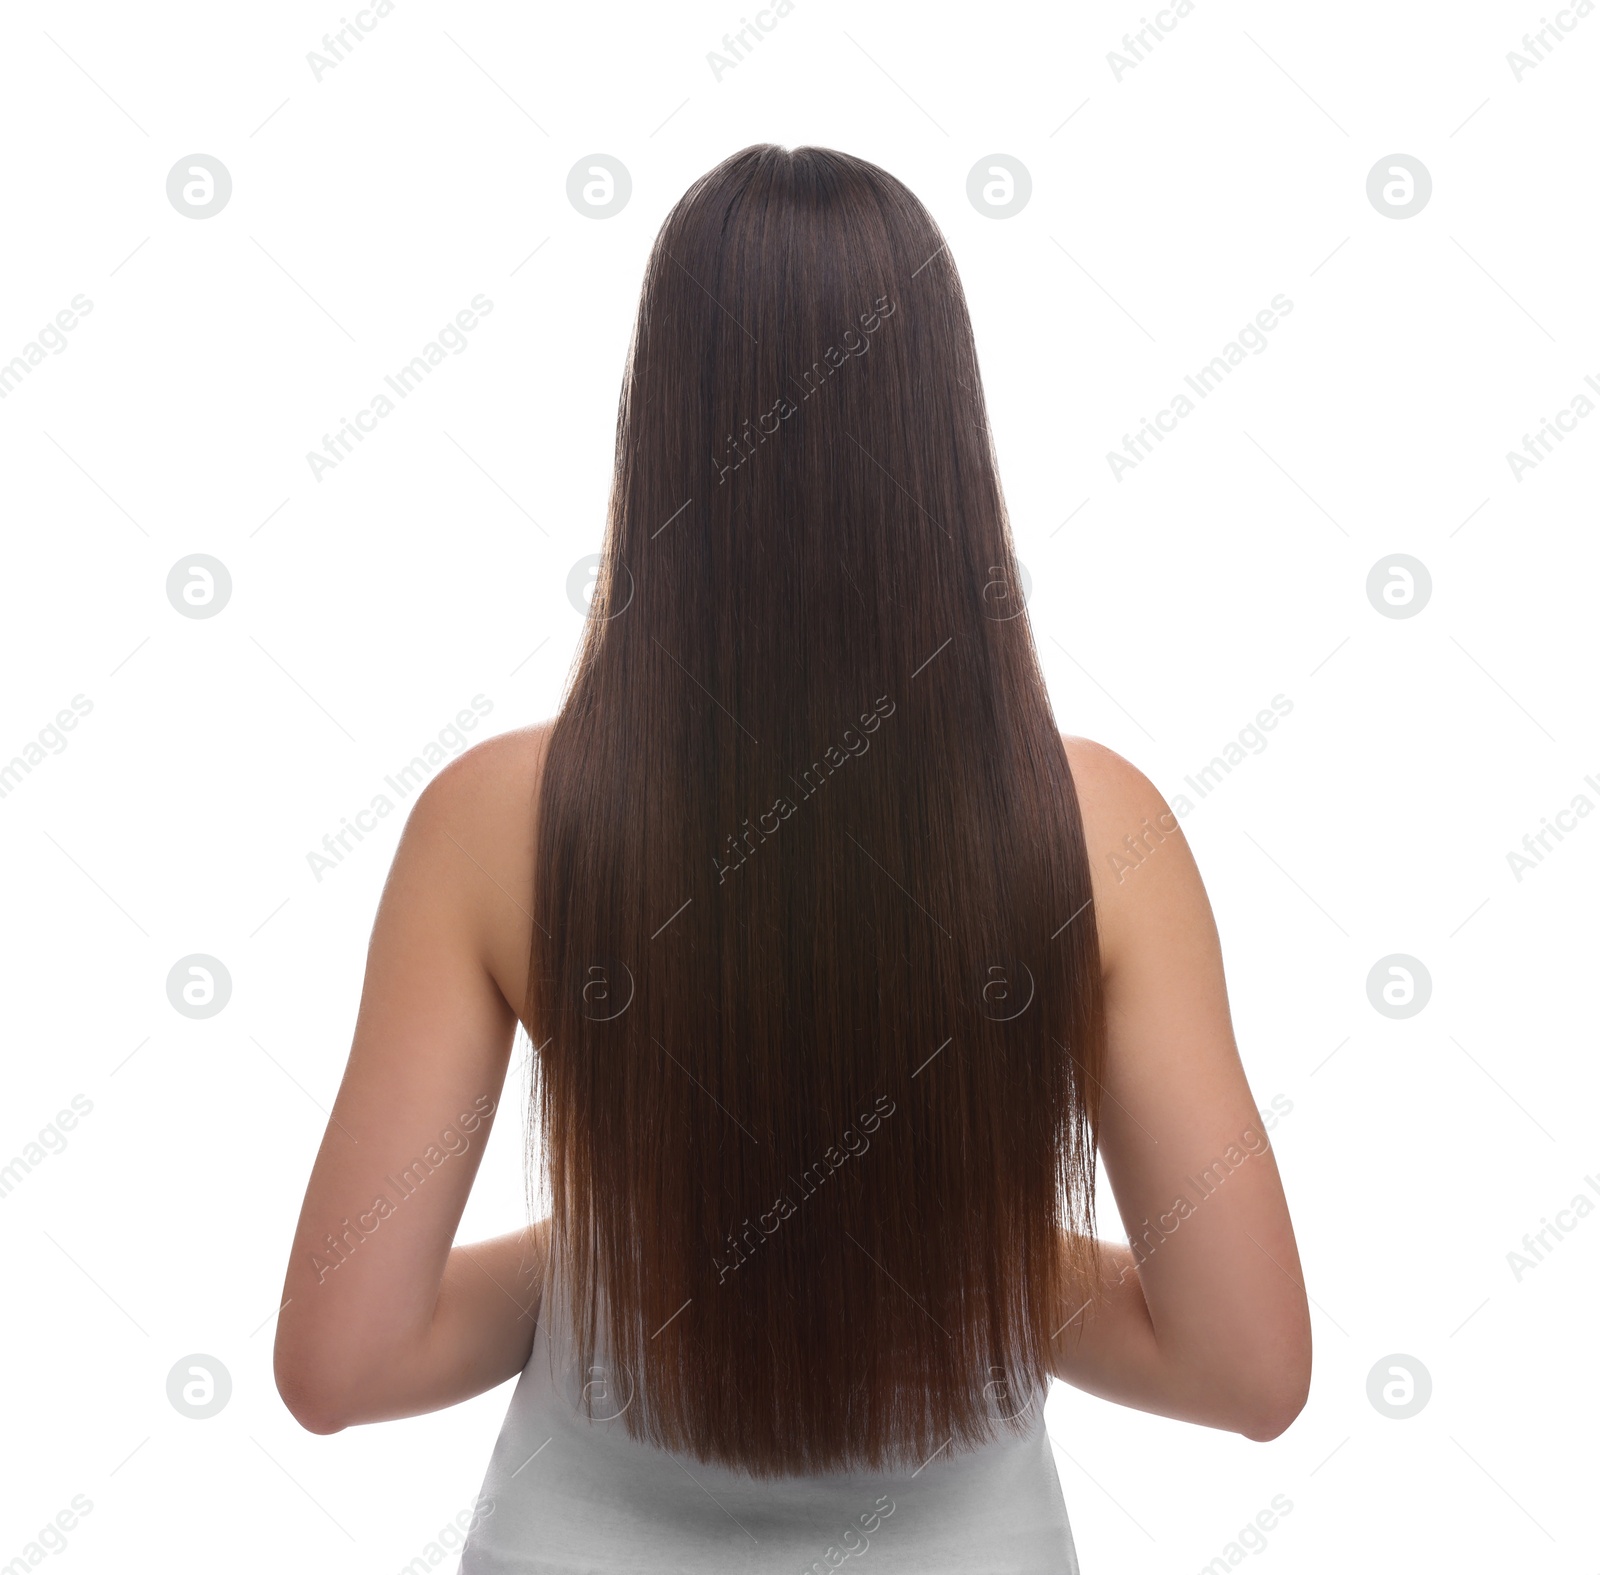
column 406, row 1323
column 1210, row 1327
column 1213, row 1325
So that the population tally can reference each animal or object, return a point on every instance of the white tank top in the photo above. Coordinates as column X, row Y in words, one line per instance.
column 569, row 1495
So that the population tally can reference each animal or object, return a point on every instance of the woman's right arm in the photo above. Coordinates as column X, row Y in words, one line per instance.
column 1204, row 1316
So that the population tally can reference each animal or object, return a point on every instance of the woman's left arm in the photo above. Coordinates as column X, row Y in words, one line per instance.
column 380, row 1317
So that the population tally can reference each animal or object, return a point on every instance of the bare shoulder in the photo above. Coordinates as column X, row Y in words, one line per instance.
column 473, row 824
column 490, row 771
column 1115, row 798
column 1142, row 868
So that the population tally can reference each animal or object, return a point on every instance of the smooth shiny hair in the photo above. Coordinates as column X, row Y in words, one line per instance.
column 815, row 977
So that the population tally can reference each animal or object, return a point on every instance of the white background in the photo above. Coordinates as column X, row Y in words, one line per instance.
column 1170, row 606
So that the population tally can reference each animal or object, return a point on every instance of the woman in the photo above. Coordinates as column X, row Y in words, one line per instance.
column 840, row 963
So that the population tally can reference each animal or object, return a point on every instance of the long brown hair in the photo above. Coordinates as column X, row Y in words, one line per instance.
column 815, row 981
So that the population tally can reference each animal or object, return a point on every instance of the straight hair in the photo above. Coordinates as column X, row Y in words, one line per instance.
column 815, row 981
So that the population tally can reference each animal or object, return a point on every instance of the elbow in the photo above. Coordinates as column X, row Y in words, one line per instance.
column 312, row 1406
column 309, row 1395
column 1272, row 1419
column 1277, row 1395
column 314, row 1421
